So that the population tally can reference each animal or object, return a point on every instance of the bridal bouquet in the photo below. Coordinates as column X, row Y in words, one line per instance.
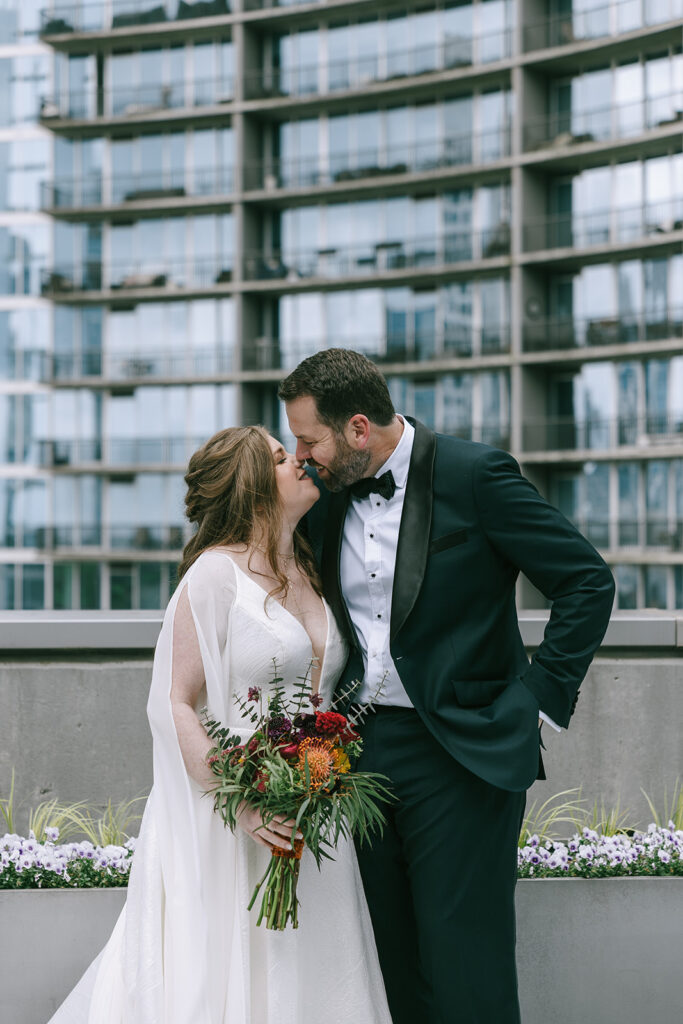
column 296, row 763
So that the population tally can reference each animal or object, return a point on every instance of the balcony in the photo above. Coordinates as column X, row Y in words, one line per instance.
column 562, row 333
column 150, row 277
column 115, row 453
column 605, row 123
column 24, row 364
column 347, row 75
column 591, row 23
column 661, row 532
column 151, row 364
column 617, row 226
column 63, row 538
column 425, row 348
column 417, row 255
column 358, row 165
column 158, row 188
column 76, row 18
column 155, row 102
column 596, row 433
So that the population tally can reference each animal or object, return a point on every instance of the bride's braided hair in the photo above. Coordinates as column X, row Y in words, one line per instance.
column 233, row 498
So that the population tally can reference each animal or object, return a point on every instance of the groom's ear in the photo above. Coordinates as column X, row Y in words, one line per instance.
column 357, row 431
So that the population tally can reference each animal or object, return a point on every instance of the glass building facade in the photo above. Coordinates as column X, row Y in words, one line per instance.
column 486, row 198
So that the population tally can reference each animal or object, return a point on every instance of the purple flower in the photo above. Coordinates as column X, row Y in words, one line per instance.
column 278, row 727
column 254, row 693
column 664, row 856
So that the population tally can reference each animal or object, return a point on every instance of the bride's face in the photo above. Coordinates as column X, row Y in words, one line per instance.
column 297, row 490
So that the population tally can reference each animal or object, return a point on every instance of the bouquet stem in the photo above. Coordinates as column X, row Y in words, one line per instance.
column 279, row 904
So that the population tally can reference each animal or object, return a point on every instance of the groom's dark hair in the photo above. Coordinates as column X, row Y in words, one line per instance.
column 342, row 383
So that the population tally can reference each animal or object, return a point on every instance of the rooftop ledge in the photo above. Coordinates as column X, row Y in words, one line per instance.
column 138, row 630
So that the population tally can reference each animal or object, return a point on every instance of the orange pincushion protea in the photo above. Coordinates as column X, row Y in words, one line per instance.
column 320, row 759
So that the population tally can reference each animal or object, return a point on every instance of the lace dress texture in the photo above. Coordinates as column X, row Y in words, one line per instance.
column 185, row 950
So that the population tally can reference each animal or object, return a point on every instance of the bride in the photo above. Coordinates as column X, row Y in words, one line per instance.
column 185, row 950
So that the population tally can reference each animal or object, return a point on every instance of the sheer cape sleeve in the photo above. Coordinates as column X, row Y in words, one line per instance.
column 184, row 826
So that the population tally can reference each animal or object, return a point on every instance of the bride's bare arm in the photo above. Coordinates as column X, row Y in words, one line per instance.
column 186, row 685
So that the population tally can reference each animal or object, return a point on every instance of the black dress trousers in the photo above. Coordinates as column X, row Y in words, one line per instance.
column 440, row 882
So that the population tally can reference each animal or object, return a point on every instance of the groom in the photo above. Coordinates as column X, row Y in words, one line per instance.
column 420, row 538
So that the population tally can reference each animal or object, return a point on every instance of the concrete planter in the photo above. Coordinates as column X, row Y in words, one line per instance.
column 589, row 950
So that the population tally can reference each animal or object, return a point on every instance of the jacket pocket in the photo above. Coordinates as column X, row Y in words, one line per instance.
column 448, row 541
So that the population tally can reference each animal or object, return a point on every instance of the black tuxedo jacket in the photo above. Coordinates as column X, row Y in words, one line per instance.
column 470, row 523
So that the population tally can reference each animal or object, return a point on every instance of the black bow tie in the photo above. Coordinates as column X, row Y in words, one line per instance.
column 383, row 485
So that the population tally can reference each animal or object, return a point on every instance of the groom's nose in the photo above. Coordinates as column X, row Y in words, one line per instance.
column 302, row 451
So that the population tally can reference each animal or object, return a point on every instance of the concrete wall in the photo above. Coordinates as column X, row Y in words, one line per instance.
column 597, row 951
column 73, row 723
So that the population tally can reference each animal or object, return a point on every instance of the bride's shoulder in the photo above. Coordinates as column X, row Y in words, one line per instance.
column 212, row 569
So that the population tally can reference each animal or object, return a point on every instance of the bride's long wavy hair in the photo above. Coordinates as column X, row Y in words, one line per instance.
column 233, row 498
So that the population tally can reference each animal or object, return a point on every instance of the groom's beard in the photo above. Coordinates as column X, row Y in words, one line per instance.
column 347, row 466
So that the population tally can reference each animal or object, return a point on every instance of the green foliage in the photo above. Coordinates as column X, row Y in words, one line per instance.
column 543, row 821
column 609, row 822
column 52, row 814
column 109, row 827
column 672, row 810
column 7, row 808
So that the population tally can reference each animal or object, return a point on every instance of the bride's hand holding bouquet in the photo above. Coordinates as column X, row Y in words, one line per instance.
column 292, row 779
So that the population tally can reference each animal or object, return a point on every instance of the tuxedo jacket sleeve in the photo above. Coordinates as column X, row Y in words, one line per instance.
column 536, row 538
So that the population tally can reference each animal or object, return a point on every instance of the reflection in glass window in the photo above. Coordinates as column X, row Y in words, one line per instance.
column 626, row 577
column 655, row 586
column 121, row 585
column 33, row 586
column 7, row 574
column 24, row 166
column 457, row 405
column 24, row 343
column 24, row 82
column 628, row 477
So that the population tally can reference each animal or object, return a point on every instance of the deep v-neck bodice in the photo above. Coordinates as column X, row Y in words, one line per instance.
column 295, row 620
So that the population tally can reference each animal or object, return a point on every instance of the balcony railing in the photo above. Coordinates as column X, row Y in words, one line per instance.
column 600, row 124
column 596, row 22
column 379, row 257
column 342, row 75
column 118, row 451
column 259, row 5
column 188, row 363
column 129, row 275
column 581, row 332
column 564, row 433
column 428, row 346
column 403, row 158
column 137, row 101
column 624, row 532
column 65, row 19
column 147, row 537
column 604, row 227
column 75, row 193
column 24, row 364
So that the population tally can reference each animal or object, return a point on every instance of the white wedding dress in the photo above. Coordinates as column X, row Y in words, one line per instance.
column 185, row 950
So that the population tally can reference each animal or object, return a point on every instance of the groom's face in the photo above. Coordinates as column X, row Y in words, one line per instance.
column 337, row 461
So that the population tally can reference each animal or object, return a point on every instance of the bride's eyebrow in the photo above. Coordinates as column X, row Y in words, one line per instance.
column 279, row 451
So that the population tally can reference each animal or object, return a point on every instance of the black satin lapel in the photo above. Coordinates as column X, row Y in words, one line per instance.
column 413, row 535
column 329, row 567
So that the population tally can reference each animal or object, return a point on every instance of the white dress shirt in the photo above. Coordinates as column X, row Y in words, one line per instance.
column 368, row 560
column 367, row 565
